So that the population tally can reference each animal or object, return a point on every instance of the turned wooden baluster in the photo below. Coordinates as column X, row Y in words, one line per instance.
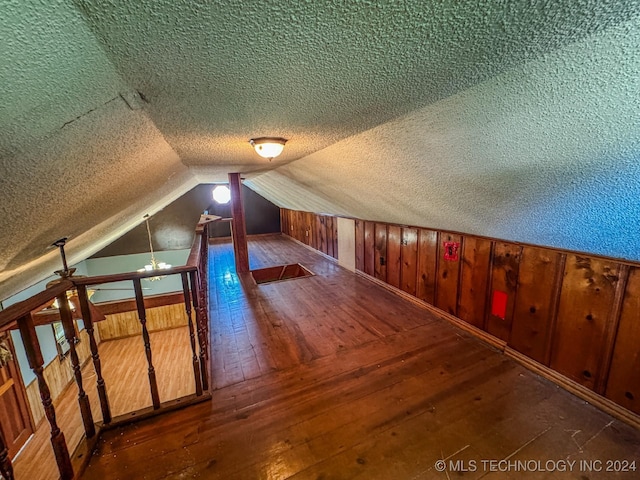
column 204, row 282
column 6, row 469
column 192, row 336
column 36, row 362
column 70, row 335
column 93, row 345
column 142, row 315
column 201, row 333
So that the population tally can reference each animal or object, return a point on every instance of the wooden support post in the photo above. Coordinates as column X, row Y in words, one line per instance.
column 6, row 469
column 192, row 336
column 142, row 315
column 87, row 318
column 238, row 226
column 70, row 335
column 36, row 362
column 201, row 320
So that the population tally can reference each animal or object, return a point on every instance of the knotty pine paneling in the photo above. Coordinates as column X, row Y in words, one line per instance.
column 504, row 280
column 567, row 311
column 317, row 233
column 322, row 233
column 623, row 386
column 369, row 248
column 586, row 302
column 286, row 222
column 427, row 261
column 380, row 247
column 335, row 237
column 331, row 236
column 293, row 224
column 448, row 272
column 394, row 237
column 409, row 256
column 300, row 226
column 305, row 233
column 359, row 226
column 474, row 280
column 127, row 324
column 308, row 220
column 311, row 225
column 539, row 282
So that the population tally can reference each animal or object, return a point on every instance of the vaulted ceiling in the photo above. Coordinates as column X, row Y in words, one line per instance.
column 518, row 120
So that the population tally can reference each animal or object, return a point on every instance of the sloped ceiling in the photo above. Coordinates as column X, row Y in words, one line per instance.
column 511, row 119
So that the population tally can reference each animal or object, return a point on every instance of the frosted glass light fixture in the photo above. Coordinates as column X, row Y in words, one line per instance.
column 221, row 194
column 268, row 147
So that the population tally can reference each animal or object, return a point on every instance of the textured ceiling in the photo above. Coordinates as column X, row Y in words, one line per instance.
column 547, row 153
column 514, row 119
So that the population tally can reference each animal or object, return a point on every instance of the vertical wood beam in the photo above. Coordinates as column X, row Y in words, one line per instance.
column 87, row 318
column 36, row 362
column 238, row 225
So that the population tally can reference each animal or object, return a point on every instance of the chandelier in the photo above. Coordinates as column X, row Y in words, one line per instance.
column 154, row 264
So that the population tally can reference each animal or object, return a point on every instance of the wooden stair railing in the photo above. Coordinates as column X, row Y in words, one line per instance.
column 21, row 315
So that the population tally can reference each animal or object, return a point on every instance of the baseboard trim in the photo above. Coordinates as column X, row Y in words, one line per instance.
column 575, row 388
column 567, row 384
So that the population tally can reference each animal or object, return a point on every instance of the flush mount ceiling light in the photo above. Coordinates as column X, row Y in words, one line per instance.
column 268, row 147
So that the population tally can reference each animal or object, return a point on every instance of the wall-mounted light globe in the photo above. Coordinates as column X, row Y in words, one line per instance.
column 221, row 194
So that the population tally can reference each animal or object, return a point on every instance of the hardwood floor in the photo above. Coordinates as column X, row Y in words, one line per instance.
column 124, row 367
column 333, row 377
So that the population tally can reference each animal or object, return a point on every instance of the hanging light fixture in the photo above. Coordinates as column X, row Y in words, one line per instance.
column 154, row 265
column 268, row 147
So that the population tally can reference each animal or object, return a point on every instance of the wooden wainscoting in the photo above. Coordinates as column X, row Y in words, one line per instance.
column 126, row 324
column 574, row 314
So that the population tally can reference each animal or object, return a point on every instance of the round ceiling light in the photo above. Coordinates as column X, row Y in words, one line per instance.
column 268, row 147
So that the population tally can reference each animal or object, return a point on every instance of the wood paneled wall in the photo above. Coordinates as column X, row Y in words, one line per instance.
column 127, row 324
column 317, row 231
column 576, row 314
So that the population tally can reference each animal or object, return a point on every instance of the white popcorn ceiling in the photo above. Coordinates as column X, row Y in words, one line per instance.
column 511, row 119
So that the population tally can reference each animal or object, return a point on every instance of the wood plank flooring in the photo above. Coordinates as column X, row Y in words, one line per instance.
column 124, row 367
column 334, row 377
